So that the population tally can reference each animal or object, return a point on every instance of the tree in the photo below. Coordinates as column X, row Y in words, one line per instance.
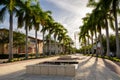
column 102, row 8
column 11, row 6
column 25, row 18
column 45, row 22
column 18, row 38
column 57, row 28
column 61, row 36
column 115, row 5
column 36, row 15
column 4, row 37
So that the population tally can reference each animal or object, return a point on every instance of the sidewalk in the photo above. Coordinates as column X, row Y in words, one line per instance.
column 90, row 68
column 11, row 70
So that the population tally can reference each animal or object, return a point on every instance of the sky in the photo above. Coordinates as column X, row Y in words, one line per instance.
column 68, row 12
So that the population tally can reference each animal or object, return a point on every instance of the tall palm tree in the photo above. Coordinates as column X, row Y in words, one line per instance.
column 61, row 36
column 50, row 29
column 106, row 5
column 11, row 7
column 44, row 22
column 25, row 18
column 105, row 16
column 57, row 28
column 82, row 36
column 115, row 5
column 67, row 42
column 36, row 16
column 101, row 11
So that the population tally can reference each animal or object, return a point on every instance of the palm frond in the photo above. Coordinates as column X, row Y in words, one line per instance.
column 20, row 20
column 111, row 24
column 2, row 13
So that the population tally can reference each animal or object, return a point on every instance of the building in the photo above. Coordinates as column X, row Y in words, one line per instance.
column 21, row 48
column 31, row 46
column 53, row 47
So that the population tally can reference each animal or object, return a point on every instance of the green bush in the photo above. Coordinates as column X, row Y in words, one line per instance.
column 18, row 55
column 4, row 56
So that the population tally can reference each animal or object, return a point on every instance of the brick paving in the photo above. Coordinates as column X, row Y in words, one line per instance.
column 89, row 68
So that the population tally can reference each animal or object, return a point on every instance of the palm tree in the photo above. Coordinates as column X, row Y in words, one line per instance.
column 36, row 16
column 67, row 42
column 4, row 37
column 25, row 18
column 50, row 29
column 44, row 22
column 115, row 4
column 11, row 7
column 61, row 36
column 101, row 10
column 57, row 28
column 105, row 6
column 105, row 16
column 82, row 36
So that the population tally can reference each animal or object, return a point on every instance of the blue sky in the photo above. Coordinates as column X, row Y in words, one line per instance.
column 67, row 12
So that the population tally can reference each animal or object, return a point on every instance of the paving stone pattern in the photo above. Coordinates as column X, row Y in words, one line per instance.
column 89, row 68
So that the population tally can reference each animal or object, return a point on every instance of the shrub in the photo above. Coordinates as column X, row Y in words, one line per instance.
column 4, row 56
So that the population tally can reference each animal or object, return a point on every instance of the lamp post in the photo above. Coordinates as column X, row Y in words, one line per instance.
column 70, row 43
column 76, row 37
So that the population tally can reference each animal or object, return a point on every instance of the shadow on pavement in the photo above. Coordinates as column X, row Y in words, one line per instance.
column 91, row 69
column 113, row 66
column 12, row 75
column 84, row 62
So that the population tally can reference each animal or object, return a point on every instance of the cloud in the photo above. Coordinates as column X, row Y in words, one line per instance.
column 70, row 13
column 67, row 12
column 75, row 7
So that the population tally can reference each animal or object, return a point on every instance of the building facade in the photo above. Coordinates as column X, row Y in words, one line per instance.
column 4, row 49
column 54, row 48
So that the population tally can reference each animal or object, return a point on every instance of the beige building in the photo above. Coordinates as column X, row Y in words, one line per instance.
column 31, row 46
column 21, row 49
column 54, row 48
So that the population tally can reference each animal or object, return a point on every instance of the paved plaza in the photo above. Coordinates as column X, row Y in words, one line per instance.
column 89, row 68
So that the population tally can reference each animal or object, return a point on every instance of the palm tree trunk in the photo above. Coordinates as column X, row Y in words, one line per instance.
column 11, row 36
column 36, row 47
column 39, row 47
column 50, row 45
column 92, row 39
column 55, row 46
column 88, row 45
column 92, row 50
column 107, row 38
column 2, row 48
column 96, row 41
column 26, row 44
column 101, row 49
column 69, row 48
column 43, row 45
column 116, row 28
column 85, row 48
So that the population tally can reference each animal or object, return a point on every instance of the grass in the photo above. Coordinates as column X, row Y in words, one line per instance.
column 30, row 58
column 105, row 57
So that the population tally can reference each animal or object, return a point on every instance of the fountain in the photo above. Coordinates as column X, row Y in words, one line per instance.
column 63, row 66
